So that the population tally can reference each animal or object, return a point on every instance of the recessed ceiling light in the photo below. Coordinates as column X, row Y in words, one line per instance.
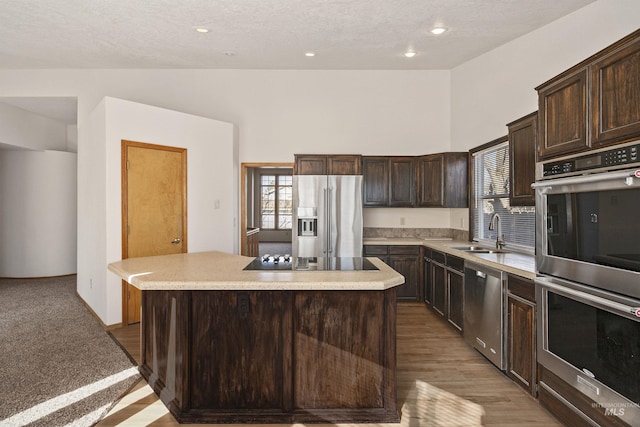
column 309, row 54
column 202, row 29
column 229, row 53
column 410, row 54
column 438, row 30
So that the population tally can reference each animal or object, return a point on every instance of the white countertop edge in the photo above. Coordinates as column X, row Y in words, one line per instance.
column 222, row 271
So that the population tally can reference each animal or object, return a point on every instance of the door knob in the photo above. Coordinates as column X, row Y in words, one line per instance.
column 176, row 240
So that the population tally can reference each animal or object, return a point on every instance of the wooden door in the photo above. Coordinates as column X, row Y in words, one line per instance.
column 154, row 207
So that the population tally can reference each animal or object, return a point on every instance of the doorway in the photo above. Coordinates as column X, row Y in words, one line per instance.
column 249, row 217
column 154, row 209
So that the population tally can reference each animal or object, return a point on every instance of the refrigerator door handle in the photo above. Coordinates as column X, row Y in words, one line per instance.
column 329, row 225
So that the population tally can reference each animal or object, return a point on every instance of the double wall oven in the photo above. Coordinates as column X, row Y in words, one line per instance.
column 588, row 291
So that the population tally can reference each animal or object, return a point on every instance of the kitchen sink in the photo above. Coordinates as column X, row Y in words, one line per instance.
column 477, row 249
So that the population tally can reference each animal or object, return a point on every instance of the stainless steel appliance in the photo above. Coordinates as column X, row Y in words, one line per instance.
column 287, row 263
column 590, row 339
column 327, row 216
column 484, row 303
column 588, row 291
column 587, row 227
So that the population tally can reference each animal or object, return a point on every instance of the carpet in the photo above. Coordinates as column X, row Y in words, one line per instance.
column 58, row 366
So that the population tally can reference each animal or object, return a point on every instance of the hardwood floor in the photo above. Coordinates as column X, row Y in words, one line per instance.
column 441, row 382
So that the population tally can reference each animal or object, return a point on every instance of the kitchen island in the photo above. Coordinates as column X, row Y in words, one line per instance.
column 223, row 345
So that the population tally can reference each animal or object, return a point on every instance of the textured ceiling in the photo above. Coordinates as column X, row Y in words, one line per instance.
column 263, row 34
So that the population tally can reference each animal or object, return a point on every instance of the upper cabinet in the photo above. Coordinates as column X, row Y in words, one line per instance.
column 563, row 115
column 402, row 182
column 320, row 164
column 594, row 104
column 615, row 95
column 522, row 157
column 375, row 181
column 442, row 180
column 388, row 181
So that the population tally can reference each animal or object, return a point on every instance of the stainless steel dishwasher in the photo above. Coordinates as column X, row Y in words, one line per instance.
column 484, row 311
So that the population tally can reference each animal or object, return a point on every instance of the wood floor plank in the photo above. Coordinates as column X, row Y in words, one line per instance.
column 429, row 351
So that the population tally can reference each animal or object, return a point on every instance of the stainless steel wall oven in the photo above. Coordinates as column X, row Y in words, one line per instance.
column 588, row 289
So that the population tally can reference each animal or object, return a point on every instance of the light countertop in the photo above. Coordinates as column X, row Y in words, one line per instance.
column 223, row 271
column 517, row 263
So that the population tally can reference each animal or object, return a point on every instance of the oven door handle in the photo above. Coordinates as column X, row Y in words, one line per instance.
column 596, row 300
column 584, row 179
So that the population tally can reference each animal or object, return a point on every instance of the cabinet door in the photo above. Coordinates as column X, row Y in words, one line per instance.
column 310, row 165
column 563, row 116
column 455, row 314
column 522, row 157
column 521, row 342
column 615, row 96
column 407, row 266
column 375, row 178
column 428, row 281
column 344, row 165
column 430, row 179
column 438, row 273
column 402, row 178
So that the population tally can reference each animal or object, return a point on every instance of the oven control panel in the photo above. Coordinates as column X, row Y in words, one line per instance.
column 608, row 159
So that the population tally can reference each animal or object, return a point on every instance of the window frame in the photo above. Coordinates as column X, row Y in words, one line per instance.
column 473, row 200
column 277, row 174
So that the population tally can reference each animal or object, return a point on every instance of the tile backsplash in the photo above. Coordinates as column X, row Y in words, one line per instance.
column 421, row 233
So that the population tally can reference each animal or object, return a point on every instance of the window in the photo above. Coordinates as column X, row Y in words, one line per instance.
column 276, row 201
column 490, row 194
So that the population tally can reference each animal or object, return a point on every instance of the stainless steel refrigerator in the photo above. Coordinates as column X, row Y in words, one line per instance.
column 327, row 216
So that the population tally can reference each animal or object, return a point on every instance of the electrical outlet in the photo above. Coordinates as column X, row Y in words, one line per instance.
column 90, row 283
column 402, row 220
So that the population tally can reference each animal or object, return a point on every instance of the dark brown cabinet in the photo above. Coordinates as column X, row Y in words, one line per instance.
column 615, row 95
column 522, row 157
column 427, row 276
column 388, row 181
column 406, row 260
column 375, row 181
column 521, row 333
column 402, row 182
column 442, row 180
column 593, row 104
column 562, row 108
column 320, row 164
column 446, row 285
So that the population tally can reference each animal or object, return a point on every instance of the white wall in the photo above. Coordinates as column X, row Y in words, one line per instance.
column 498, row 87
column 210, row 171
column 24, row 129
column 37, row 213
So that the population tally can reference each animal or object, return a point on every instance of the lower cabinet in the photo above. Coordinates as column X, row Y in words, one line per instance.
column 521, row 333
column 444, row 286
column 406, row 260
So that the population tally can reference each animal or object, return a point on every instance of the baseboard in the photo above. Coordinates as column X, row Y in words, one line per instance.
column 93, row 313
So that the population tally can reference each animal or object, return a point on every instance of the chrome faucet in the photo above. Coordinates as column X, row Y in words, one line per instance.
column 494, row 223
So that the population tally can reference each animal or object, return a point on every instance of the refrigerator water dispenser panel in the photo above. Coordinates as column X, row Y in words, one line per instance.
column 307, row 222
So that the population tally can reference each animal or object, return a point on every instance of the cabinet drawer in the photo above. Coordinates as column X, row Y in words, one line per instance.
column 522, row 287
column 404, row 250
column 455, row 263
column 438, row 257
column 372, row 250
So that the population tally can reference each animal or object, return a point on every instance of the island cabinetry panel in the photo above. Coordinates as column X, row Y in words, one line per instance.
column 245, row 369
column 271, row 356
column 406, row 260
column 343, row 366
column 521, row 333
column 522, row 158
column 427, row 276
column 321, row 164
column 442, row 180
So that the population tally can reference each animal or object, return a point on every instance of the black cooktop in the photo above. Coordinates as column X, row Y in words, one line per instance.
column 287, row 262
